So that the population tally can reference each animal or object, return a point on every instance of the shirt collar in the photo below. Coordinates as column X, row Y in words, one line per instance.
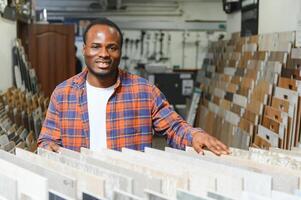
column 80, row 79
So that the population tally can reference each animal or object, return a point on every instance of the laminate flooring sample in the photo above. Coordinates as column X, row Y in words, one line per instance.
column 57, row 181
column 151, row 195
column 121, row 195
column 141, row 181
column 29, row 183
column 170, row 179
column 112, row 180
column 88, row 196
column 282, row 180
column 253, row 182
column 203, row 177
column 85, row 182
column 53, row 195
column 186, row 195
column 8, row 186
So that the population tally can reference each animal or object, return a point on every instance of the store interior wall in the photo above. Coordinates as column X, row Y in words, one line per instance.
column 274, row 16
column 203, row 10
column 192, row 11
column 278, row 15
column 233, row 23
column 7, row 35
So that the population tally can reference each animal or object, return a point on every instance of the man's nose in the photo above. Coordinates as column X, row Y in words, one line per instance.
column 103, row 52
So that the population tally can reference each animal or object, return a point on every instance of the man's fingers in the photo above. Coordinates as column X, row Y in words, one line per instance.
column 224, row 147
column 219, row 146
column 215, row 150
column 198, row 149
column 211, row 143
column 54, row 147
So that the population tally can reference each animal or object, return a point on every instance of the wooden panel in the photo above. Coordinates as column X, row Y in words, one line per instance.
column 293, row 63
column 240, row 100
column 244, row 92
column 276, row 114
column 291, row 73
column 266, row 42
column 236, row 80
column 229, row 96
column 202, row 117
column 251, row 116
column 240, row 72
column 260, row 55
column 252, row 73
column 235, row 56
column 225, row 78
column 232, row 63
column 216, row 100
column 210, row 121
column 271, row 72
column 290, row 84
column 295, row 60
column 237, row 109
column 261, row 90
column 247, row 55
column 246, row 125
column 232, row 88
column 253, row 39
column 269, row 135
column 256, row 107
column 247, row 83
column 218, row 127
column 274, row 126
column 225, row 104
column 278, row 56
column 282, row 105
column 260, row 142
column 255, row 64
column 296, row 86
column 52, row 53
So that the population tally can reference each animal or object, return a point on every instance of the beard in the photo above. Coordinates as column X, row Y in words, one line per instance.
column 111, row 72
column 103, row 74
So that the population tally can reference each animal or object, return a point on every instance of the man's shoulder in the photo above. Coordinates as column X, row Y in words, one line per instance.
column 67, row 86
column 134, row 79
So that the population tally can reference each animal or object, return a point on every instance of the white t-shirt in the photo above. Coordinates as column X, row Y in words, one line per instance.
column 97, row 103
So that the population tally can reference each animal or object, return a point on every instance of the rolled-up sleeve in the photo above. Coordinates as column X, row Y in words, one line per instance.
column 50, row 131
column 167, row 121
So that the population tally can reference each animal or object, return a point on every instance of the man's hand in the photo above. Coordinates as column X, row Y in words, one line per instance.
column 200, row 140
column 53, row 147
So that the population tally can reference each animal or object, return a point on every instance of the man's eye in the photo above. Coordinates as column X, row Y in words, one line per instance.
column 113, row 48
column 94, row 46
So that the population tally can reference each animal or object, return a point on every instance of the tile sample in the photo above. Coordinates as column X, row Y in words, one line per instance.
column 121, row 195
column 30, row 184
column 8, row 186
column 85, row 182
column 57, row 181
column 112, row 179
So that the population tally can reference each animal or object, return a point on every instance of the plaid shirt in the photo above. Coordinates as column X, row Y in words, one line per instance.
column 132, row 111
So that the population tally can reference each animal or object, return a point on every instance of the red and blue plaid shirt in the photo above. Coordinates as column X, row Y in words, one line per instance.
column 135, row 108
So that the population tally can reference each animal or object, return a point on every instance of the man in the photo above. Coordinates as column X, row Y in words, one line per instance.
column 104, row 106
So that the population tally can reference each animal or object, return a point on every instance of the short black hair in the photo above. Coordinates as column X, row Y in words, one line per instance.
column 103, row 21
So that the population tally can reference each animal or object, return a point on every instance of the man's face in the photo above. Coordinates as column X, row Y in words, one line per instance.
column 102, row 51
